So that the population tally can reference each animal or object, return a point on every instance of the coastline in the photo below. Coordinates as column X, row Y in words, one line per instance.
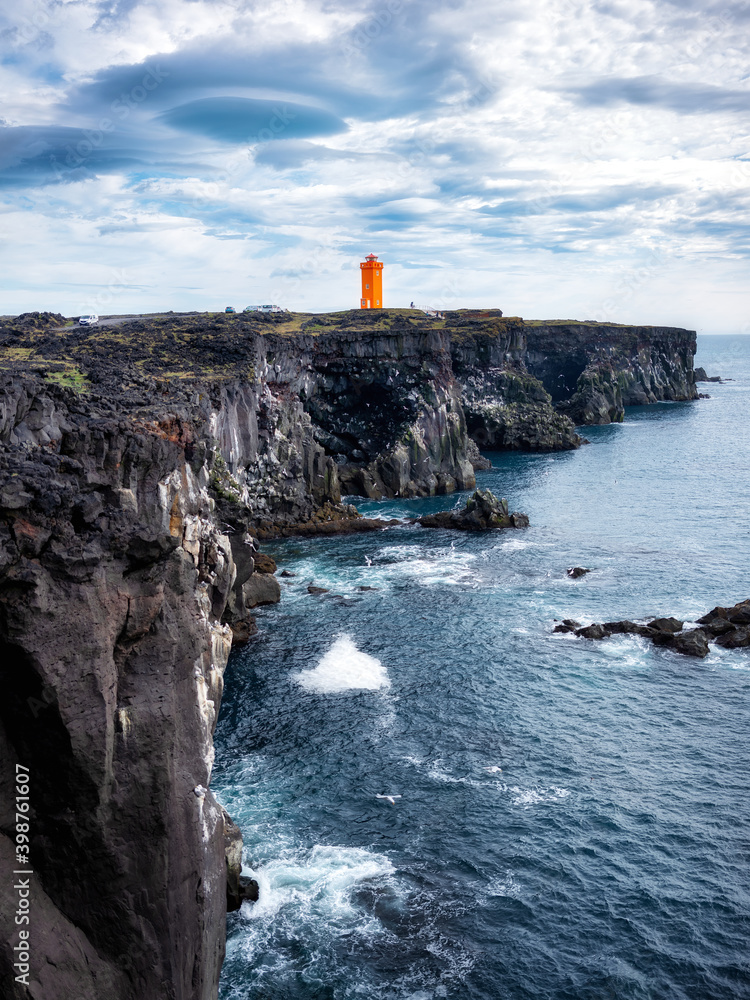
column 141, row 469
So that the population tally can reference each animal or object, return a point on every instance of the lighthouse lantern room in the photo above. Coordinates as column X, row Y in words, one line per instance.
column 372, row 283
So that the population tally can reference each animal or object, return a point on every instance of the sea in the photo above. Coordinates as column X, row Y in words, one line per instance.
column 568, row 819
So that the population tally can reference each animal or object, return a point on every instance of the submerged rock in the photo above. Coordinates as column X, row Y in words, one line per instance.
column 575, row 572
column 483, row 512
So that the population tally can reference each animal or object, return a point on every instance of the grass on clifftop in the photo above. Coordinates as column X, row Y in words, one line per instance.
column 178, row 347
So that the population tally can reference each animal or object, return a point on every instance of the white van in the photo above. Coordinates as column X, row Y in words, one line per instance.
column 88, row 320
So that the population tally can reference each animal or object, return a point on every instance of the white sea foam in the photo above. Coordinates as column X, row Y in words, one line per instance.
column 502, row 886
column 344, row 668
column 317, row 887
column 515, row 545
column 534, row 796
column 428, row 567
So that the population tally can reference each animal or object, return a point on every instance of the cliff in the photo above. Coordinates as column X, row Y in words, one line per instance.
column 506, row 406
column 139, row 466
column 593, row 370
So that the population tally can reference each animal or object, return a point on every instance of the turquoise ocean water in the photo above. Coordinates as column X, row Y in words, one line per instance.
column 574, row 819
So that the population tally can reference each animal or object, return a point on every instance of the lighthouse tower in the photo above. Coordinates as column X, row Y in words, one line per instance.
column 372, row 283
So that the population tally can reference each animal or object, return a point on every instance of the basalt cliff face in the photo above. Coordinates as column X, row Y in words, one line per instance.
column 525, row 385
column 139, row 466
column 593, row 371
column 114, row 580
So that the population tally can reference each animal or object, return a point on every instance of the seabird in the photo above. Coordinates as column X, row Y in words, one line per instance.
column 389, row 798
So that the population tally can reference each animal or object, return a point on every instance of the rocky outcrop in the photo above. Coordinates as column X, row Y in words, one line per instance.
column 387, row 407
column 113, row 581
column 727, row 627
column 525, row 384
column 483, row 512
column 700, row 375
column 594, row 370
column 506, row 407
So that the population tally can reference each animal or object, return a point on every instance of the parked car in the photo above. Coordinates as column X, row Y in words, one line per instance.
column 88, row 320
column 230, row 309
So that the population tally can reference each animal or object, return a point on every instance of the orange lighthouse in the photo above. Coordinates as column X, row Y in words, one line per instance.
column 372, row 283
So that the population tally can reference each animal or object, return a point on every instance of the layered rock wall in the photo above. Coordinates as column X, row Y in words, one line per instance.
column 112, row 584
column 594, row 370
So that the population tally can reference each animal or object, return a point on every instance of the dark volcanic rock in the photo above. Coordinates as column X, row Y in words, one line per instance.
column 666, row 624
column 738, row 638
column 716, row 627
column 626, row 627
column 738, row 614
column 575, row 572
column 249, row 890
column 506, row 407
column 483, row 512
column 261, row 588
column 700, row 376
column 264, row 563
column 594, row 370
column 112, row 652
column 594, row 631
column 317, row 590
column 692, row 643
column 243, row 629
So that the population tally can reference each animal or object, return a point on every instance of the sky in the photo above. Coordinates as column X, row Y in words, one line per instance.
column 551, row 158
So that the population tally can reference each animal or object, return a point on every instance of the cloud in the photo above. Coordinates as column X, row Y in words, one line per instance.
column 602, row 200
column 685, row 98
column 249, row 121
column 541, row 142
column 290, row 154
column 33, row 156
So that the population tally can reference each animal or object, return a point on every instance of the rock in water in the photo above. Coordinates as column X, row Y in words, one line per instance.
column 575, row 572
column 699, row 375
column 594, row 631
column 261, row 588
column 692, row 643
column 483, row 512
column 264, row 563
column 727, row 627
column 667, row 624
column 736, row 639
column 242, row 630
